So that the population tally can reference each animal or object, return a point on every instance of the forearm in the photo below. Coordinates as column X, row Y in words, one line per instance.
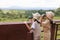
column 28, row 26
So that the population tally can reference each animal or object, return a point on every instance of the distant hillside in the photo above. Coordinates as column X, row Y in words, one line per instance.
column 26, row 8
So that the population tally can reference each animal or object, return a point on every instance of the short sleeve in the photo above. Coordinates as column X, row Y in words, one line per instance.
column 33, row 25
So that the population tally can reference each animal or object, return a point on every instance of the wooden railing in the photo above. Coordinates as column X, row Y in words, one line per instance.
column 15, row 31
column 54, row 30
column 19, row 31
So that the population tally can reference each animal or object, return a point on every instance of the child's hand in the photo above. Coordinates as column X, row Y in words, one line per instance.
column 25, row 22
column 31, row 31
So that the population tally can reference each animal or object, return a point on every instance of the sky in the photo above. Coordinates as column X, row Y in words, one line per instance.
column 30, row 3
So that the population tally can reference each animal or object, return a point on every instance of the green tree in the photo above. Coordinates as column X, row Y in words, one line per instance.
column 57, row 12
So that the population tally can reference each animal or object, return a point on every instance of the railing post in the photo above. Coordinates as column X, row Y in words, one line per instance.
column 53, row 31
column 56, row 31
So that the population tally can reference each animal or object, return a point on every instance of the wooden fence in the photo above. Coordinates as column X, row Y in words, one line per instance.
column 54, row 30
column 14, row 31
column 19, row 31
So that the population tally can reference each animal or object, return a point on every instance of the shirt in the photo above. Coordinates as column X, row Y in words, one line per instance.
column 36, row 26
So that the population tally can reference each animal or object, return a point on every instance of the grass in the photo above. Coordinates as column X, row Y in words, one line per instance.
column 58, row 32
column 20, row 20
column 58, row 36
column 56, row 18
column 13, row 20
column 42, row 36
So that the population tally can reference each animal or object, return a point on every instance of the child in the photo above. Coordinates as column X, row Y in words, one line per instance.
column 30, row 21
column 47, row 25
column 35, row 27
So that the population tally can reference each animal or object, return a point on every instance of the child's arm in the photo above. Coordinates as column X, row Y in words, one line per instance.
column 27, row 25
column 31, row 31
column 32, row 27
column 45, row 23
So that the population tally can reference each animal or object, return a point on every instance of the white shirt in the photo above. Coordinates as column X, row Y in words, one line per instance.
column 36, row 27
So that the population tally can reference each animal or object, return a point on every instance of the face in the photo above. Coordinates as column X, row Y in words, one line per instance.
column 31, row 20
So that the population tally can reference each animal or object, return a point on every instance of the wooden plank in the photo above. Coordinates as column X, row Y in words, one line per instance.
column 14, row 31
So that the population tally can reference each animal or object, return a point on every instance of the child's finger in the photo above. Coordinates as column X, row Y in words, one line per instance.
column 25, row 22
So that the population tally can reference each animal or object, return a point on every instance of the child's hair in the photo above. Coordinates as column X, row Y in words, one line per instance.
column 30, row 17
column 44, row 16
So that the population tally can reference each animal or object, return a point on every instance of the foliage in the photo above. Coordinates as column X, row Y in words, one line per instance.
column 18, row 14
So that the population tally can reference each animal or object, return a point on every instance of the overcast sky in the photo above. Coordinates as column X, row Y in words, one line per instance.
column 30, row 3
